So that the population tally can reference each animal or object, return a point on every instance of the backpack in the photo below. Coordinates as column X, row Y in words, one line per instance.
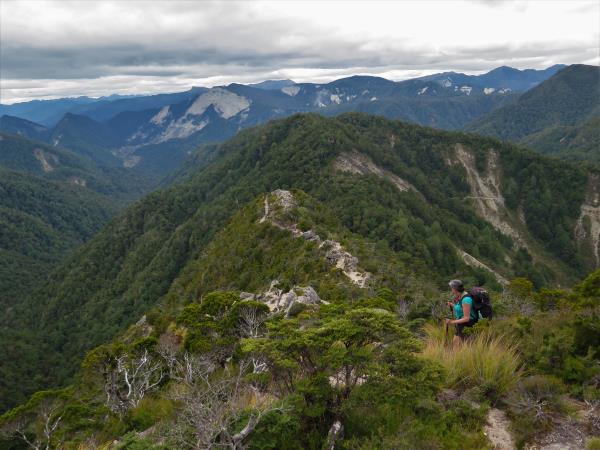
column 481, row 303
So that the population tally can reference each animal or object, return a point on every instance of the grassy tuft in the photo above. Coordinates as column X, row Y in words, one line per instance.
column 490, row 363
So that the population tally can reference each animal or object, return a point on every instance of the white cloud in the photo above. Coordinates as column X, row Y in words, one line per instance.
column 57, row 48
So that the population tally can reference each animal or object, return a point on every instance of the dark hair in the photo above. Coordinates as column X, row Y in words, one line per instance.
column 457, row 284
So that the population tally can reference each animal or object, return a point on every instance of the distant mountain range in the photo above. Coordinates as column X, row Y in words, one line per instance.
column 500, row 78
column 560, row 116
column 155, row 134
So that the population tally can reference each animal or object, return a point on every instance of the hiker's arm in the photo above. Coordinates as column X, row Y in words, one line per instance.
column 466, row 315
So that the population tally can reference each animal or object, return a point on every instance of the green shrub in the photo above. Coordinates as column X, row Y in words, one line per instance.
column 533, row 402
column 149, row 411
column 593, row 444
column 132, row 442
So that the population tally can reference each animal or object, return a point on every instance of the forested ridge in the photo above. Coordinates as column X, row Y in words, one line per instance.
column 402, row 201
column 52, row 201
column 558, row 117
column 351, row 367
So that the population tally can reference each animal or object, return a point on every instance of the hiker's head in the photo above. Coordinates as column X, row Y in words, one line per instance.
column 457, row 287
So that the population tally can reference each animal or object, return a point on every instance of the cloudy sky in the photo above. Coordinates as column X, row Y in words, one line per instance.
column 52, row 49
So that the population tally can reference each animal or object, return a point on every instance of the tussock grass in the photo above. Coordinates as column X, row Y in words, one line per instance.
column 488, row 362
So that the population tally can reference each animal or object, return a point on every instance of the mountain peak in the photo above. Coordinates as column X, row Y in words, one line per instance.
column 269, row 85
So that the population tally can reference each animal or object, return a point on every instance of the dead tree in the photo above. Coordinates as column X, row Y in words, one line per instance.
column 131, row 378
column 37, row 426
column 212, row 405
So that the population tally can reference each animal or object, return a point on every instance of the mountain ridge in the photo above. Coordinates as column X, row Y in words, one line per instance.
column 155, row 134
column 564, row 104
column 155, row 240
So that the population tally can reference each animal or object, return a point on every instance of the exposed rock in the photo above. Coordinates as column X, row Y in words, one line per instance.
column 310, row 235
column 474, row 262
column 587, row 228
column 160, row 117
column 355, row 162
column 45, row 159
column 182, row 128
column 227, row 104
column 279, row 301
column 284, row 201
column 78, row 181
column 485, row 192
column 497, row 432
column 131, row 161
column 338, row 257
column 141, row 329
column 290, row 90
column 572, row 431
column 246, row 296
column 308, row 296
column 271, row 297
column 287, row 300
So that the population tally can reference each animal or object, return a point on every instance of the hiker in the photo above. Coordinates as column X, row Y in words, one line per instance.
column 463, row 310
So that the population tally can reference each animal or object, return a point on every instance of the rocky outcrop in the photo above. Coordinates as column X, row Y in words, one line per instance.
column 46, row 159
column 587, row 229
column 357, row 163
column 279, row 301
column 474, row 262
column 281, row 201
column 77, row 181
column 486, row 193
column 338, row 257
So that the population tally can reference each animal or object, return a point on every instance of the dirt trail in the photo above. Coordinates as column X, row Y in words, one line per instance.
column 497, row 432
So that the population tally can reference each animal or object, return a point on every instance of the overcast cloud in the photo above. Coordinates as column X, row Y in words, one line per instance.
column 61, row 48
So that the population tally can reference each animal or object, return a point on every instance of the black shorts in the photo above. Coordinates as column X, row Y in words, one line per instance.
column 461, row 326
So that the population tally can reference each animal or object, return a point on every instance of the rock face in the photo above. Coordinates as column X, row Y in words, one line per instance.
column 474, row 262
column 338, row 257
column 279, row 301
column 227, row 104
column 486, row 194
column 46, row 160
column 587, row 230
column 357, row 163
column 282, row 202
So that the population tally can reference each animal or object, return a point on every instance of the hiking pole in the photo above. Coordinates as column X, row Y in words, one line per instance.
column 446, row 322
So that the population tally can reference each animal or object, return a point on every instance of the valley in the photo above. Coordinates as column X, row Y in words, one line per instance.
column 266, row 266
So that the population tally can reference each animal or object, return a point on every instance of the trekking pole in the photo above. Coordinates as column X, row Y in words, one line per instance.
column 446, row 336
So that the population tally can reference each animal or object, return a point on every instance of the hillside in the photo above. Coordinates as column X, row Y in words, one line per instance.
column 279, row 336
column 23, row 127
column 51, row 202
column 441, row 204
column 556, row 117
column 46, row 112
column 86, row 137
